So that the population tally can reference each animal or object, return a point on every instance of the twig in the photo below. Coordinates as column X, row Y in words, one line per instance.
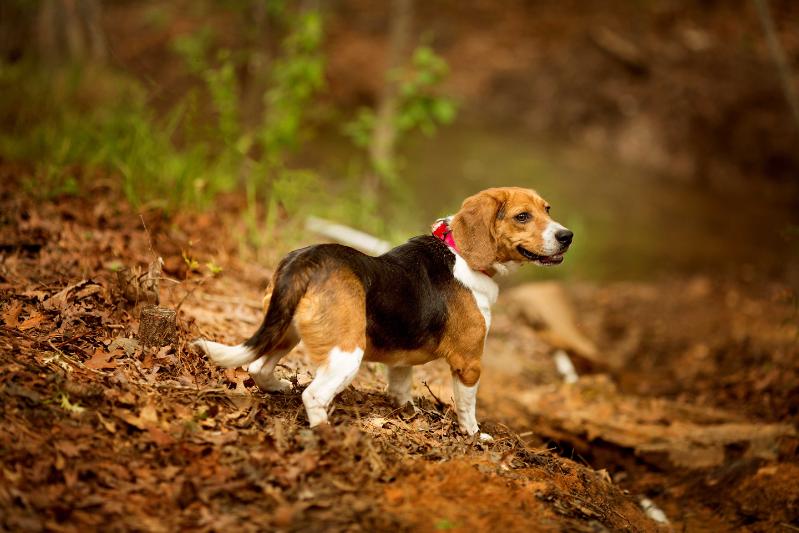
column 149, row 240
column 74, row 361
column 439, row 403
column 187, row 388
column 189, row 293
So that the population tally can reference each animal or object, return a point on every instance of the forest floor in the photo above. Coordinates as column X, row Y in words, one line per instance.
column 687, row 399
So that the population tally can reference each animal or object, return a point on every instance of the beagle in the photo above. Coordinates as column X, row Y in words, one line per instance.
column 426, row 299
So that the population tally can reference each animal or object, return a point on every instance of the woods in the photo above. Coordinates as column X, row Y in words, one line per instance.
column 158, row 159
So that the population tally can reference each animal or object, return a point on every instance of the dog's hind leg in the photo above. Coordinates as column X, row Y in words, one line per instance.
column 331, row 378
column 331, row 320
column 262, row 369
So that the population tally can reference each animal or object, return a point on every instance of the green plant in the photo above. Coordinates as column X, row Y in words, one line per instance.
column 261, row 154
column 77, row 122
column 68, row 139
column 296, row 76
column 213, row 268
column 67, row 405
column 420, row 107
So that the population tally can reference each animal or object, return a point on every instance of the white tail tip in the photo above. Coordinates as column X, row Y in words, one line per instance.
column 226, row 356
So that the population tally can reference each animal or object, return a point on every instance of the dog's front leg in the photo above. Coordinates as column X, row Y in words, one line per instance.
column 400, row 384
column 466, row 403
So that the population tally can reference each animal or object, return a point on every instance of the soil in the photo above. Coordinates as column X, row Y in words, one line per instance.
column 690, row 401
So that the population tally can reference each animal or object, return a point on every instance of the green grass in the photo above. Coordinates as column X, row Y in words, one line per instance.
column 77, row 123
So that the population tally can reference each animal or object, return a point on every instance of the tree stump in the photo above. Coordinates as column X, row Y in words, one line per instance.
column 157, row 326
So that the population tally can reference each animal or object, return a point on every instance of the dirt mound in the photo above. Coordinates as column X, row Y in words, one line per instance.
column 99, row 430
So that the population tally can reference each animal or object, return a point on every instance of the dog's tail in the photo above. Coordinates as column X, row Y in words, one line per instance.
column 289, row 284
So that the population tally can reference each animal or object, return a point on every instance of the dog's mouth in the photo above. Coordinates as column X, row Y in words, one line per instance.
column 554, row 259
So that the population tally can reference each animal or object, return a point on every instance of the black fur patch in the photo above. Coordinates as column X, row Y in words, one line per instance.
column 406, row 304
column 406, row 291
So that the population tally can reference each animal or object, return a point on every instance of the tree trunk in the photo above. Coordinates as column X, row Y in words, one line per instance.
column 779, row 58
column 71, row 31
column 381, row 149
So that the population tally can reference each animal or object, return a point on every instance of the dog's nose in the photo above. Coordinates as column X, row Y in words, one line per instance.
column 564, row 237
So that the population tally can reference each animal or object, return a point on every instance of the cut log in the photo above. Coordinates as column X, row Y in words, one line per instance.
column 157, row 326
column 545, row 308
column 657, row 430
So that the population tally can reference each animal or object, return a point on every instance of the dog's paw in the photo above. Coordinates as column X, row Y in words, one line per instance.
column 272, row 384
column 399, row 400
column 402, row 402
column 317, row 416
column 485, row 437
column 280, row 385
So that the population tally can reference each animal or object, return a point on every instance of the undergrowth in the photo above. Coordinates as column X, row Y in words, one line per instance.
column 77, row 122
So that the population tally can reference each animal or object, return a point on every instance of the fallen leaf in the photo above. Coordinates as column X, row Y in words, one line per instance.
column 107, row 424
column 59, row 300
column 219, row 438
column 378, row 422
column 33, row 321
column 147, row 364
column 70, row 478
column 68, row 448
column 128, row 345
column 160, row 437
column 238, row 377
column 37, row 295
column 87, row 291
column 103, row 359
column 149, row 414
column 11, row 313
column 146, row 419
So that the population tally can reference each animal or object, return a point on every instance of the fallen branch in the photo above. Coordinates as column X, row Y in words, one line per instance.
column 439, row 403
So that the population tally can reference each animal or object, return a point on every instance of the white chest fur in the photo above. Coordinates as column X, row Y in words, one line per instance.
column 483, row 288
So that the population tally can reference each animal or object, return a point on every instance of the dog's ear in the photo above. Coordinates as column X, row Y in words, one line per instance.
column 473, row 228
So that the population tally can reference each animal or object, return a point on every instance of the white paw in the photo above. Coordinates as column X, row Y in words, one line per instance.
column 280, row 385
column 469, row 429
column 316, row 416
column 485, row 437
column 272, row 384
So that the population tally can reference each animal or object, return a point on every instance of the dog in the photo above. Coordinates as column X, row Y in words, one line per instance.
column 427, row 299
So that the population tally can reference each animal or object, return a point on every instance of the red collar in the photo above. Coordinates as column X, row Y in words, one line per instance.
column 443, row 232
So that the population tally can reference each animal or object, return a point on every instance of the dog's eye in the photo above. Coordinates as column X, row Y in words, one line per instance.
column 522, row 217
column 547, row 208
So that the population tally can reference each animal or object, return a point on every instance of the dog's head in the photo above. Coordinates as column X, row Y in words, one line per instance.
column 508, row 224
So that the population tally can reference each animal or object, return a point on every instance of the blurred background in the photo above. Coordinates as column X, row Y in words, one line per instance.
column 665, row 133
column 188, row 142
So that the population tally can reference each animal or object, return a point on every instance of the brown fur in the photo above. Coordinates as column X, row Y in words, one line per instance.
column 333, row 311
column 292, row 336
column 461, row 345
column 486, row 232
column 333, row 314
